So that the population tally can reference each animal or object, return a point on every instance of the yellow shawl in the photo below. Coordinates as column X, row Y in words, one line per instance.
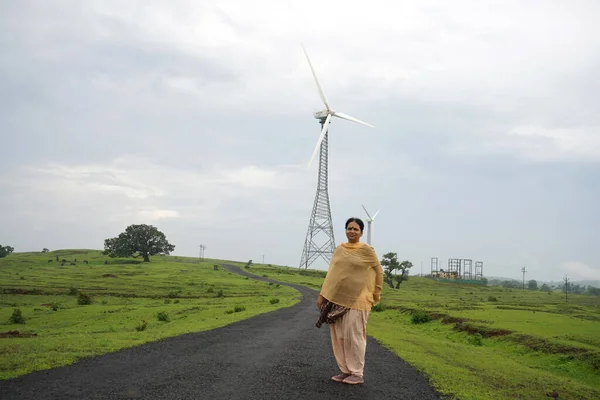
column 354, row 267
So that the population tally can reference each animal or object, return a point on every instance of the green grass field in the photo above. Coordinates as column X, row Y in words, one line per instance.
column 479, row 343
column 132, row 303
column 485, row 342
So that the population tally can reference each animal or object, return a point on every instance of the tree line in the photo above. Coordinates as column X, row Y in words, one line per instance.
column 532, row 284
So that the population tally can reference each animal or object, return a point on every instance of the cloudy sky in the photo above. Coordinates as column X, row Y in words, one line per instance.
column 197, row 118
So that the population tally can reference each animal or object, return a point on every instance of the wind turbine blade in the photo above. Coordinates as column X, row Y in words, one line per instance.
column 366, row 211
column 321, row 93
column 349, row 118
column 375, row 215
column 323, row 131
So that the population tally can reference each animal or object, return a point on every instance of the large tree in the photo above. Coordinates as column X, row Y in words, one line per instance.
column 403, row 276
column 532, row 284
column 5, row 250
column 390, row 263
column 138, row 240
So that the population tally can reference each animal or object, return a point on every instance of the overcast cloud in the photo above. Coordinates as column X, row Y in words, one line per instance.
column 197, row 118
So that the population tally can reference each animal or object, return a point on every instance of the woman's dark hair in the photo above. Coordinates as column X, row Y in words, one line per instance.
column 358, row 221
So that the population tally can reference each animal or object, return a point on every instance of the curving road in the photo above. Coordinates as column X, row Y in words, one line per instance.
column 278, row 355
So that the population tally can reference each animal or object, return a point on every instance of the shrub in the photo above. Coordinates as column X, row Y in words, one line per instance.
column 274, row 301
column 162, row 316
column 378, row 307
column 210, row 290
column 84, row 299
column 236, row 309
column 420, row 317
column 476, row 339
column 492, row 298
column 73, row 291
column 220, row 293
column 142, row 326
column 17, row 317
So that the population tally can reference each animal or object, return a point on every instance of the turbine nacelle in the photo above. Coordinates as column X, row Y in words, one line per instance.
column 320, row 115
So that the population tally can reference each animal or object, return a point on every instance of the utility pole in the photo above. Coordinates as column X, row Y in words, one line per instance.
column 263, row 259
column 523, row 270
column 566, row 289
column 421, row 269
column 201, row 255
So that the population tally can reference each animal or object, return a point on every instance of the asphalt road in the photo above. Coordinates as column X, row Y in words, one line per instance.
column 280, row 355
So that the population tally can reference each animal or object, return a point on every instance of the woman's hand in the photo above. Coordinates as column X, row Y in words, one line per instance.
column 320, row 301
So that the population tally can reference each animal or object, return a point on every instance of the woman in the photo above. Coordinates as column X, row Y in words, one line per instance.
column 352, row 286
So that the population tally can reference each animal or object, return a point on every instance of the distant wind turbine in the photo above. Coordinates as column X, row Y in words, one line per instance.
column 369, row 223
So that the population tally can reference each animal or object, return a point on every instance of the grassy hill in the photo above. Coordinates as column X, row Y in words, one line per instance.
column 130, row 303
column 473, row 342
column 478, row 342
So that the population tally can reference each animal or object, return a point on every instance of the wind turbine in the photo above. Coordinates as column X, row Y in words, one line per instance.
column 324, row 116
column 369, row 223
column 320, row 219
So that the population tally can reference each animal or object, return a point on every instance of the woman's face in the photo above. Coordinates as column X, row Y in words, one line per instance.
column 353, row 232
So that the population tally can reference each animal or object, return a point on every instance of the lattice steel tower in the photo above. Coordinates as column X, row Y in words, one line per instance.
column 320, row 241
column 319, row 238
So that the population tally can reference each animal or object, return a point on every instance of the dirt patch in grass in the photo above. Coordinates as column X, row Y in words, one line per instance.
column 588, row 317
column 197, row 308
column 29, row 291
column 16, row 334
column 545, row 346
column 482, row 330
column 463, row 324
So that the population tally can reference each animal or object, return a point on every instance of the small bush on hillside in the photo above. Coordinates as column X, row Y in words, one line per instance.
column 236, row 309
column 17, row 317
column 420, row 317
column 492, row 298
column 163, row 316
column 220, row 293
column 274, row 301
column 73, row 291
column 84, row 299
column 476, row 339
column 142, row 326
column 378, row 307
column 210, row 290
